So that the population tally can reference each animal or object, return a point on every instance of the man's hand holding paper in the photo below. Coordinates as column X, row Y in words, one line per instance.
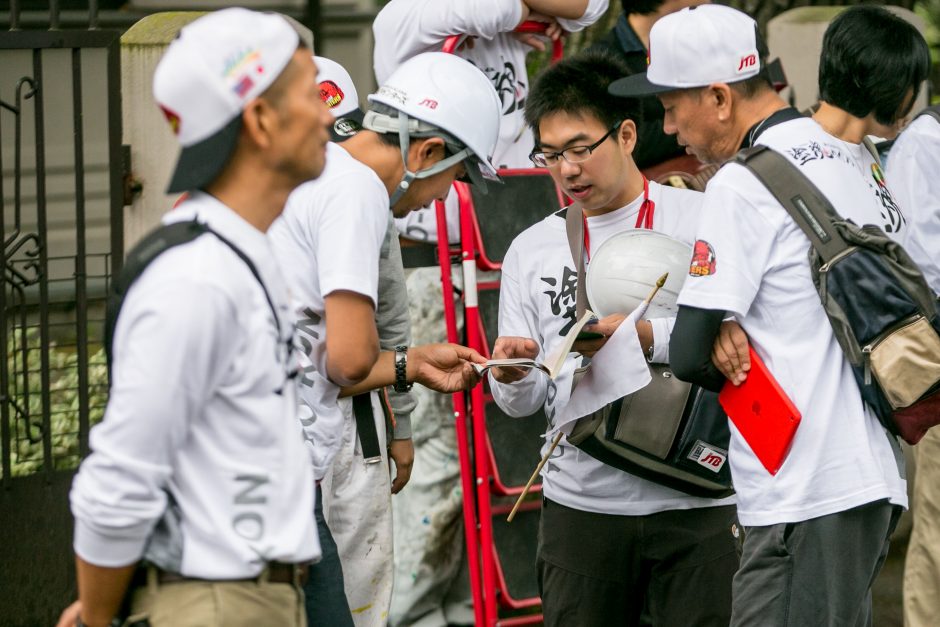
column 513, row 348
column 617, row 368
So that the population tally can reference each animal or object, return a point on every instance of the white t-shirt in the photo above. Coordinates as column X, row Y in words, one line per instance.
column 754, row 264
column 328, row 239
column 405, row 28
column 201, row 413
column 537, row 300
column 914, row 172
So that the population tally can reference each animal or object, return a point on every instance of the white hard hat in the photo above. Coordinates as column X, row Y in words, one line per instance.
column 441, row 94
column 625, row 268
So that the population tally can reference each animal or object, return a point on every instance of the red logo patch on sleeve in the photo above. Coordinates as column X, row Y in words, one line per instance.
column 703, row 259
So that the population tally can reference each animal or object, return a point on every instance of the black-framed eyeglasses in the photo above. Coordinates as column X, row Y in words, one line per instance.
column 575, row 154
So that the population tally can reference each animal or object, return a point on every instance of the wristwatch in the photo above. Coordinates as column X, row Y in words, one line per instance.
column 649, row 352
column 401, row 369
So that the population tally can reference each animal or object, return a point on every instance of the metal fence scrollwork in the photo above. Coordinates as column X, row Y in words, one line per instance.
column 61, row 202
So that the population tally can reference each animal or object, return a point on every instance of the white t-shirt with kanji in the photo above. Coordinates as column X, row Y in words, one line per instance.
column 751, row 260
column 537, row 300
column 328, row 239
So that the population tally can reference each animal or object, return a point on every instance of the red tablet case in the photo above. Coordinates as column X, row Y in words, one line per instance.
column 763, row 413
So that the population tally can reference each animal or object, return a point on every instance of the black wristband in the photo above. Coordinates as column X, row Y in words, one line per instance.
column 401, row 369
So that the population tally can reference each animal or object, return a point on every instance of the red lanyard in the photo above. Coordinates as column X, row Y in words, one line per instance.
column 644, row 219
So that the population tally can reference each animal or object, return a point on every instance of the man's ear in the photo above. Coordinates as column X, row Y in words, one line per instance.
column 719, row 94
column 258, row 121
column 628, row 136
column 425, row 152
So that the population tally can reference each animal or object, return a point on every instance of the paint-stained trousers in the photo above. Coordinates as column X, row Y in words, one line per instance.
column 432, row 586
column 356, row 503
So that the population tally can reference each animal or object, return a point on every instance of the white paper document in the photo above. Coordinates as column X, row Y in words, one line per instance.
column 554, row 361
column 618, row 369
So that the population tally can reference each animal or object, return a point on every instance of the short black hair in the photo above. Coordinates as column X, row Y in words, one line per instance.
column 870, row 59
column 578, row 86
column 643, row 7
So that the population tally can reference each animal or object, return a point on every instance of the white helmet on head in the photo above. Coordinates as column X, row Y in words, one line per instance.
column 440, row 95
column 625, row 268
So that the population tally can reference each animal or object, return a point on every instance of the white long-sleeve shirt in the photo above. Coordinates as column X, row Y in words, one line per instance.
column 537, row 300
column 201, row 427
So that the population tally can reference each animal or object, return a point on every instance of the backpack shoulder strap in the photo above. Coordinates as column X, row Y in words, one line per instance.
column 811, row 211
column 146, row 251
column 138, row 259
column 933, row 112
column 574, row 226
column 872, row 149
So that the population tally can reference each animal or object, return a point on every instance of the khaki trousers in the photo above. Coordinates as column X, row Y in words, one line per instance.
column 922, row 565
column 219, row 604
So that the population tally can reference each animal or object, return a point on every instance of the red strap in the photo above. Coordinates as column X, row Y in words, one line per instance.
column 587, row 237
column 644, row 219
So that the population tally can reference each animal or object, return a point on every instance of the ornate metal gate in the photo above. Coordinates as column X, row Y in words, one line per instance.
column 61, row 231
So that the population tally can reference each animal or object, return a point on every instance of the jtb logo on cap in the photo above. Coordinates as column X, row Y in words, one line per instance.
column 747, row 62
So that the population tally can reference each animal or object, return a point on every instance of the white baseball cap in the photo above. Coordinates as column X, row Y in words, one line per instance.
column 217, row 65
column 339, row 93
column 695, row 47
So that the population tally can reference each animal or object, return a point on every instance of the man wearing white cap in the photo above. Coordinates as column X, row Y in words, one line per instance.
column 199, row 466
column 816, row 532
column 339, row 93
column 433, row 120
column 199, row 469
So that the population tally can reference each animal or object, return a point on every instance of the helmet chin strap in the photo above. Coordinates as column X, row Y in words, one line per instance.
column 404, row 142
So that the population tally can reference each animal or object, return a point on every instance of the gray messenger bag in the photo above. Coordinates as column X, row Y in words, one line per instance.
column 670, row 432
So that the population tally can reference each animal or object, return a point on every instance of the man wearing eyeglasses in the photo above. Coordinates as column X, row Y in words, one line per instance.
column 613, row 548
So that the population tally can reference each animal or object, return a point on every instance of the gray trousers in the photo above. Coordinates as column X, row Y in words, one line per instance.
column 818, row 572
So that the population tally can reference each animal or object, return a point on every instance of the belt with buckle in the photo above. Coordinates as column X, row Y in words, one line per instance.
column 274, row 572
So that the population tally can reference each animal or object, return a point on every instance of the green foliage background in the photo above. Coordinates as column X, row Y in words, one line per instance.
column 27, row 442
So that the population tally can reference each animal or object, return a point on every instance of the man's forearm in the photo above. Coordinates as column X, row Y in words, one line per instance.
column 690, row 347
column 101, row 590
column 567, row 9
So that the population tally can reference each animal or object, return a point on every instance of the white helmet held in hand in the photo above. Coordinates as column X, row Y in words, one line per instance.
column 625, row 268
column 440, row 95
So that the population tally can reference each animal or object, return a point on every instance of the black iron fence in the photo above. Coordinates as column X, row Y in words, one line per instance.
column 61, row 238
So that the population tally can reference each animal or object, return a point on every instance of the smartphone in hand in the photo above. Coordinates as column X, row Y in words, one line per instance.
column 587, row 334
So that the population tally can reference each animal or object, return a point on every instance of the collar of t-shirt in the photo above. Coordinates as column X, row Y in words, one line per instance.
column 209, row 209
column 777, row 117
column 627, row 37
column 626, row 215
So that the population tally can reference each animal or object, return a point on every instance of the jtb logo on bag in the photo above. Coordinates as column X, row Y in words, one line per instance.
column 710, row 457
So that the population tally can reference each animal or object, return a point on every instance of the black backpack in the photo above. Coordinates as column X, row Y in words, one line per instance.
column 884, row 315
